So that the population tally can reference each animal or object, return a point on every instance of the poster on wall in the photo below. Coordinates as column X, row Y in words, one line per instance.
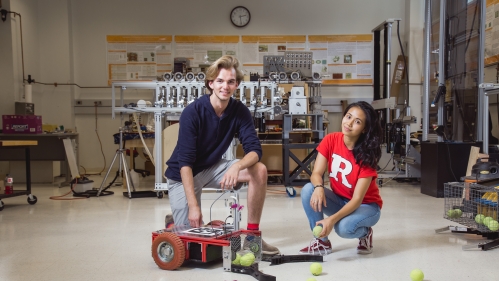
column 255, row 47
column 491, row 32
column 202, row 50
column 342, row 59
column 138, row 57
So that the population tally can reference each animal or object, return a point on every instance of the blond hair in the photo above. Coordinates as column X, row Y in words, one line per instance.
column 225, row 62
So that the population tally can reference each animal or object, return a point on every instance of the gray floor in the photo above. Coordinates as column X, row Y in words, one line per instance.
column 109, row 238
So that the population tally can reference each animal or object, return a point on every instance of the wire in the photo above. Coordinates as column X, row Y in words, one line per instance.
column 392, row 178
column 382, row 170
column 405, row 63
column 101, row 149
column 450, row 163
column 55, row 84
column 62, row 197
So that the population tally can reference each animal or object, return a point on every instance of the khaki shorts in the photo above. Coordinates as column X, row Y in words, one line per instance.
column 208, row 178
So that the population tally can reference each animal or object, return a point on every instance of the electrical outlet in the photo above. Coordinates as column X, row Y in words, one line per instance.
column 98, row 103
column 79, row 102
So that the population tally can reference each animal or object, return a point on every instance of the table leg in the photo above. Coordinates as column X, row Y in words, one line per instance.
column 28, row 170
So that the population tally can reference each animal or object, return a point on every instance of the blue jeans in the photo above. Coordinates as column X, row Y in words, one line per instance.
column 355, row 225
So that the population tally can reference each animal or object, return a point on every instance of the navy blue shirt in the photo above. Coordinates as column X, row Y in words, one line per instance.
column 204, row 137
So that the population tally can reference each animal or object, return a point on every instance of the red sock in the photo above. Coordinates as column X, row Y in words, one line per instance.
column 253, row 226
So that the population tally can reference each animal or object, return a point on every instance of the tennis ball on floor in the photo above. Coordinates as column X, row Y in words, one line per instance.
column 311, row 279
column 458, row 213
column 493, row 225
column 479, row 218
column 317, row 231
column 487, row 220
column 417, row 275
column 316, row 268
column 247, row 260
column 451, row 213
column 237, row 260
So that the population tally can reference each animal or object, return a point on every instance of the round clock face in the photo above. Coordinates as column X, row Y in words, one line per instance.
column 240, row 16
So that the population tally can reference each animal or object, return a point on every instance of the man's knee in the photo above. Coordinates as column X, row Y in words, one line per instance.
column 258, row 172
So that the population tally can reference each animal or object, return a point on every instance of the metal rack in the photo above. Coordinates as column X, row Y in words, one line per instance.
column 292, row 178
column 474, row 206
column 171, row 97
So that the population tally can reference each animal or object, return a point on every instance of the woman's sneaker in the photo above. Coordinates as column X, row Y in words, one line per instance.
column 317, row 247
column 366, row 243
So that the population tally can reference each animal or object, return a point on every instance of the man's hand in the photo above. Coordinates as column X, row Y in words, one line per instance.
column 195, row 216
column 229, row 180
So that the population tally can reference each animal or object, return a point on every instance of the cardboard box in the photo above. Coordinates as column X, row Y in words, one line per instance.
column 22, row 124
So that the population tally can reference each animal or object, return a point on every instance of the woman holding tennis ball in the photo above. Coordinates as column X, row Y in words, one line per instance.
column 353, row 203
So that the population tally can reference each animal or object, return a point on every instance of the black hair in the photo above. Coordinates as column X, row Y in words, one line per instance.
column 367, row 150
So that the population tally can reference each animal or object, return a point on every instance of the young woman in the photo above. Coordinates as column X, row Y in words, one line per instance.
column 353, row 203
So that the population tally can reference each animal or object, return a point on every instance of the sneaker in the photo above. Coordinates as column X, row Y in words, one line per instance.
column 366, row 243
column 317, row 247
column 169, row 221
column 267, row 249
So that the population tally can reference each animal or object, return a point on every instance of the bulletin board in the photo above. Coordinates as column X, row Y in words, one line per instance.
column 345, row 59
column 340, row 59
column 491, row 28
column 255, row 47
column 138, row 57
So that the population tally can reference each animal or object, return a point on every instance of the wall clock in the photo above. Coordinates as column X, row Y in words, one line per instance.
column 240, row 16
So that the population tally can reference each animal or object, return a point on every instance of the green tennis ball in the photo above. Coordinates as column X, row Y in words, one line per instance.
column 311, row 279
column 417, row 275
column 317, row 231
column 237, row 260
column 494, row 225
column 479, row 218
column 458, row 213
column 248, row 259
column 316, row 268
column 451, row 213
column 487, row 220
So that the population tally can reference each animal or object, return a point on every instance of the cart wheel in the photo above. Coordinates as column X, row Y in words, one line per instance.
column 160, row 195
column 216, row 223
column 290, row 191
column 1, row 205
column 168, row 251
column 32, row 202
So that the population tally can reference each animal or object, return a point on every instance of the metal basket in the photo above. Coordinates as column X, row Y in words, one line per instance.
column 469, row 204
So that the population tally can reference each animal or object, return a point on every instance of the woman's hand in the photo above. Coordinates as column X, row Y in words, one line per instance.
column 327, row 227
column 318, row 199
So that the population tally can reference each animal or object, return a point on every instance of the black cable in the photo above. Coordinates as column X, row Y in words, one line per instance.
column 450, row 162
column 405, row 61
column 55, row 84
column 471, row 31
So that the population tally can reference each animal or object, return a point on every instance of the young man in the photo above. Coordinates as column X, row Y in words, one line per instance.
column 207, row 127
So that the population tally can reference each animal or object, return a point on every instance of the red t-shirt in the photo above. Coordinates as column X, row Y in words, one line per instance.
column 344, row 171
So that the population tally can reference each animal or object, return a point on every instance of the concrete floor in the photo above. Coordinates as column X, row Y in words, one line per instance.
column 109, row 238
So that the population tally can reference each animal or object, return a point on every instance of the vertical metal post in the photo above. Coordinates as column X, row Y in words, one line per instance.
column 158, row 152
column 426, row 71
column 485, row 116
column 481, row 65
column 441, row 62
column 388, row 36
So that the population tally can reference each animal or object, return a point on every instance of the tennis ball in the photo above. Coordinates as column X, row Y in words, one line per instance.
column 479, row 218
column 311, row 279
column 493, row 225
column 247, row 260
column 417, row 275
column 486, row 220
column 451, row 213
column 316, row 268
column 237, row 260
column 458, row 213
column 317, row 231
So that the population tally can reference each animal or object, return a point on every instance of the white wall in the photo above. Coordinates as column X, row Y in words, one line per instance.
column 69, row 39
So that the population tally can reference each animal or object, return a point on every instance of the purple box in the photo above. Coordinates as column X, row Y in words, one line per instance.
column 22, row 124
